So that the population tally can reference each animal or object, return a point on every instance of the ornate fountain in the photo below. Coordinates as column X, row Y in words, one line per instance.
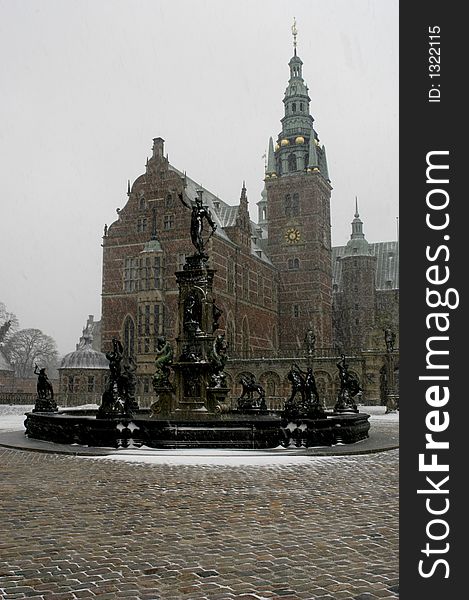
column 191, row 408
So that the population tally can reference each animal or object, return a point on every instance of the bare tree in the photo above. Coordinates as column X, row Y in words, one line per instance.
column 27, row 347
column 8, row 322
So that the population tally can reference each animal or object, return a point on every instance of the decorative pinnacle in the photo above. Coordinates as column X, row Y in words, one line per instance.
column 356, row 215
column 294, row 31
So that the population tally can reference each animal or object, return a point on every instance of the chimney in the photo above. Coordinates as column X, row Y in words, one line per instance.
column 158, row 147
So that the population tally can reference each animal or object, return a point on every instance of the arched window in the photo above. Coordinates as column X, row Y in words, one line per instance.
column 230, row 336
column 129, row 336
column 292, row 203
column 287, row 205
column 292, row 162
column 295, row 205
column 293, row 263
column 168, row 201
column 293, row 107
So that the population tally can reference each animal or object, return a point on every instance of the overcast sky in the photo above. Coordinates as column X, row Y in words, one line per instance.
column 86, row 86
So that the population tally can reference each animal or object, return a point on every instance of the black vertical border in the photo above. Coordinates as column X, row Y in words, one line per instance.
column 428, row 126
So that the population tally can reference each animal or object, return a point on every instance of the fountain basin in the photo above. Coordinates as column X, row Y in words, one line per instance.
column 231, row 430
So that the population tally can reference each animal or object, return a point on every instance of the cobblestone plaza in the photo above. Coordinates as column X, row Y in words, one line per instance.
column 75, row 527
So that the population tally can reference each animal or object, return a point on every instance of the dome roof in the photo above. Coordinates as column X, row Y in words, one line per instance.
column 357, row 247
column 85, row 357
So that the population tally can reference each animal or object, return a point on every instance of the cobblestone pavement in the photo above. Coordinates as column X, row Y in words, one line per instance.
column 74, row 527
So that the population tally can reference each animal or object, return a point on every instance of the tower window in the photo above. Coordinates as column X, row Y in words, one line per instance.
column 292, row 205
column 295, row 207
column 295, row 311
column 292, row 162
column 301, row 105
column 293, row 107
column 293, row 263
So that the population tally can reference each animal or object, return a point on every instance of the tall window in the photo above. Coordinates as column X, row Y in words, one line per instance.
column 129, row 336
column 168, row 201
column 296, row 311
column 292, row 162
column 90, row 383
column 141, row 224
column 230, row 336
column 157, row 273
column 131, row 274
column 292, row 204
column 295, row 205
column 145, row 273
column 168, row 222
column 157, row 323
column 150, row 326
column 245, row 283
column 230, row 276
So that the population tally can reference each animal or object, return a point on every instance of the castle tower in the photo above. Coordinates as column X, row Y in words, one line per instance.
column 358, row 287
column 298, row 219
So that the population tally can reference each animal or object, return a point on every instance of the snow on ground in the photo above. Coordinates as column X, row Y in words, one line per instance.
column 12, row 416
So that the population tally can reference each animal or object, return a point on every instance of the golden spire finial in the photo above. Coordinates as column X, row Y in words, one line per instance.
column 294, row 31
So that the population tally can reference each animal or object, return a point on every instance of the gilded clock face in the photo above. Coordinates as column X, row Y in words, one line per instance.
column 292, row 235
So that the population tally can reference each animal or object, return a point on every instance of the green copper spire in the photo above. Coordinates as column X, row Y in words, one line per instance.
column 298, row 149
column 271, row 158
column 357, row 224
column 357, row 244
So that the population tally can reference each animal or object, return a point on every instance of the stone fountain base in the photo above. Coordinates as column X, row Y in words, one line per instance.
column 231, row 430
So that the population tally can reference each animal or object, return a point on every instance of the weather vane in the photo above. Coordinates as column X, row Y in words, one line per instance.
column 294, row 31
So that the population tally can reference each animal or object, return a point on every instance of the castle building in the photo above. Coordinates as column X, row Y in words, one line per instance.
column 274, row 279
